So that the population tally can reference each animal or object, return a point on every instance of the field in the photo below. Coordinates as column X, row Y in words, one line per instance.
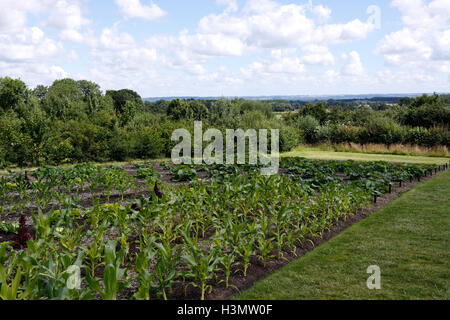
column 156, row 231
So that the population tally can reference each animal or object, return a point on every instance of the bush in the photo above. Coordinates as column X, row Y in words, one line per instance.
column 148, row 143
column 290, row 138
column 309, row 126
column 343, row 133
column 119, row 145
column 16, row 143
column 380, row 130
column 323, row 134
column 416, row 135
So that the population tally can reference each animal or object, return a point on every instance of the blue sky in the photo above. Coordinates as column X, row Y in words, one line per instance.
column 230, row 47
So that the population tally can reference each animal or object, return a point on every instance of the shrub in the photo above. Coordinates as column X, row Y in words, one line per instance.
column 148, row 143
column 343, row 133
column 290, row 138
column 119, row 145
column 323, row 134
column 16, row 143
column 308, row 125
column 416, row 135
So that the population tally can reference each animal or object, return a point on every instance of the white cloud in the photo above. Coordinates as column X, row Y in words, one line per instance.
column 28, row 46
column 424, row 40
column 441, row 46
column 259, row 6
column 285, row 26
column 317, row 55
column 424, row 14
column 71, row 35
column 111, row 39
column 281, row 62
column 224, row 24
column 33, row 74
column 119, row 61
column 67, row 16
column 212, row 44
column 321, row 13
column 13, row 13
column 135, row 9
column 268, row 24
column 260, row 26
column 338, row 33
column 353, row 66
column 232, row 5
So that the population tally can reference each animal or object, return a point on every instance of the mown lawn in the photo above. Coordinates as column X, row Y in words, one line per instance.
column 313, row 153
column 408, row 240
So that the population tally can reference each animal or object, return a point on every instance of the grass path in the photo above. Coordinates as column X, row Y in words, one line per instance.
column 408, row 240
column 311, row 153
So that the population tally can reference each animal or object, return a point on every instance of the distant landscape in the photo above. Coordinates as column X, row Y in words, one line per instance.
column 308, row 98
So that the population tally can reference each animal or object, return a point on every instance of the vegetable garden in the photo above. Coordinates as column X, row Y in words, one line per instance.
column 165, row 232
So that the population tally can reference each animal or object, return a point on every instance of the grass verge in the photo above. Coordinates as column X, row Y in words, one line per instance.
column 408, row 240
column 319, row 153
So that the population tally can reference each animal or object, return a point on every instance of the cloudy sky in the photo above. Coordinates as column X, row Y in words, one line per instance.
column 230, row 47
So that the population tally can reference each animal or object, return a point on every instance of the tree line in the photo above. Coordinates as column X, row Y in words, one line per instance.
column 75, row 121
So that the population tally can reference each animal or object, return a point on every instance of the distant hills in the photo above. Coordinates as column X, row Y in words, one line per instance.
column 306, row 98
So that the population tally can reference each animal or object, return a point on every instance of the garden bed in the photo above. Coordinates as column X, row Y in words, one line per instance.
column 188, row 238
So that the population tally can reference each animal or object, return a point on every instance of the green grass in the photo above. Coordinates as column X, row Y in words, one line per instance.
column 408, row 240
column 319, row 153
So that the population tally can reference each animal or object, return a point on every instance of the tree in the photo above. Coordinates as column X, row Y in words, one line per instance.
column 64, row 97
column 199, row 110
column 66, row 88
column 318, row 111
column 12, row 92
column 40, row 92
column 221, row 111
column 121, row 97
column 179, row 109
column 89, row 89
column 128, row 112
column 427, row 111
column 92, row 93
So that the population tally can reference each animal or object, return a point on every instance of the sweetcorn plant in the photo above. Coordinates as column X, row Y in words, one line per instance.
column 202, row 263
column 166, row 272
column 113, row 275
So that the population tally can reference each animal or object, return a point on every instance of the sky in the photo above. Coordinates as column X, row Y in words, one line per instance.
column 230, row 47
